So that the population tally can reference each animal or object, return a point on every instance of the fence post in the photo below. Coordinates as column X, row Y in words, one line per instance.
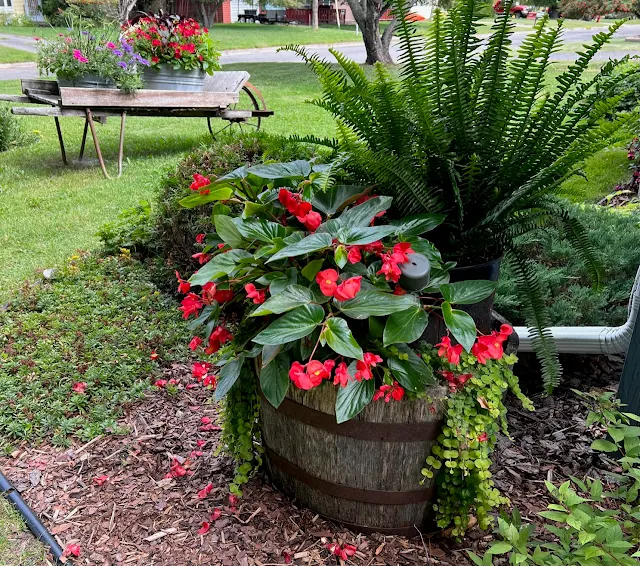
column 629, row 388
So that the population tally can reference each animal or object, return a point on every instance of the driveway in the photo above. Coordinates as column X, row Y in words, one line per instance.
column 354, row 50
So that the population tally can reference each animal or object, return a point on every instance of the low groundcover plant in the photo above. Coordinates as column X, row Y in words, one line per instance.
column 301, row 282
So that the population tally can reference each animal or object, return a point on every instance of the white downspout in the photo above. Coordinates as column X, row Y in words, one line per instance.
column 591, row 339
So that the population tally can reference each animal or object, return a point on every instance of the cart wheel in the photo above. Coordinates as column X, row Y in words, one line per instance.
column 242, row 20
column 250, row 99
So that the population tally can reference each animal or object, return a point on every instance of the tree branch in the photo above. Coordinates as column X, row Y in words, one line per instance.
column 387, row 35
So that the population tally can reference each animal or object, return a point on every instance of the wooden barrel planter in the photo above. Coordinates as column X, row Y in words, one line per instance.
column 364, row 473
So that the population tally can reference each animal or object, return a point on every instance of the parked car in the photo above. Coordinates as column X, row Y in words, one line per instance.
column 517, row 10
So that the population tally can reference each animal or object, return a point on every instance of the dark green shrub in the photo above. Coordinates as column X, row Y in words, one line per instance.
column 132, row 230
column 175, row 226
column 615, row 235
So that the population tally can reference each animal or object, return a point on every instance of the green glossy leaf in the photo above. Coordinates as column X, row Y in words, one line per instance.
column 229, row 374
column 363, row 214
column 376, row 326
column 274, row 379
column 331, row 200
column 426, row 248
column 353, row 398
column 269, row 352
column 287, row 299
column 340, row 338
column 499, row 548
column 228, row 231
column 405, row 326
column 557, row 516
column 460, row 324
column 262, row 230
column 310, row 270
column 298, row 169
column 374, row 303
column 413, row 374
column 467, row 292
column 359, row 236
column 340, row 255
column 220, row 265
column 295, row 324
column 602, row 445
column 194, row 200
column 253, row 209
column 311, row 243
column 279, row 284
column 221, row 209
column 418, row 224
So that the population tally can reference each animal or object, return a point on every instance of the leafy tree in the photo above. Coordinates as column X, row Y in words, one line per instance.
column 592, row 8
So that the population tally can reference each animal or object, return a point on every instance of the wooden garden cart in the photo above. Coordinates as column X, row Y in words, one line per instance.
column 226, row 95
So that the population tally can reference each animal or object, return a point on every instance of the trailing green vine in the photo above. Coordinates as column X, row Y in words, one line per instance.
column 241, row 435
column 475, row 413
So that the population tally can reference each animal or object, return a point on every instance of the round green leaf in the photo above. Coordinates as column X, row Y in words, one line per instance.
column 405, row 326
column 340, row 339
column 460, row 324
column 467, row 292
column 295, row 324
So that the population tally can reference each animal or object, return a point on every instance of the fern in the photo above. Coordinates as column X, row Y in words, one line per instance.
column 478, row 132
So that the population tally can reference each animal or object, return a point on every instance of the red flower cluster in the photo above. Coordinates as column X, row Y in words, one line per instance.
column 259, row 296
column 177, row 470
column 446, row 350
column 363, row 367
column 342, row 552
column 310, row 375
column 199, row 182
column 200, row 370
column 217, row 338
column 456, row 382
column 388, row 392
column 100, row 480
column 183, row 286
column 190, row 305
column 490, row 347
column 210, row 293
column 390, row 261
column 328, row 282
column 300, row 209
column 342, row 376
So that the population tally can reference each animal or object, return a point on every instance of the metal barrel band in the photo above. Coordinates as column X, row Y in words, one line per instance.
column 361, row 430
column 350, row 493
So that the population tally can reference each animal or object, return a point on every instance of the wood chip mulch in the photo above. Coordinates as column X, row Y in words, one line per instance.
column 140, row 517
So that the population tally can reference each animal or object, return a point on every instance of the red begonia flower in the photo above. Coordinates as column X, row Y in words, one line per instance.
column 446, row 350
column 79, row 387
column 401, row 252
column 183, row 286
column 100, row 480
column 199, row 181
column 364, row 366
column 206, row 490
column 195, row 343
column 311, row 221
column 200, row 369
column 374, row 247
column 309, row 376
column 259, row 296
column 200, row 238
column 389, row 268
column 341, row 375
column 201, row 257
column 399, row 291
column 210, row 381
column 354, row 255
column 327, row 280
column 153, row 356
column 71, row 550
column 204, row 529
column 160, row 383
column 224, row 295
column 483, row 437
column 348, row 289
column 389, row 392
column 208, row 293
column 191, row 304
column 176, row 470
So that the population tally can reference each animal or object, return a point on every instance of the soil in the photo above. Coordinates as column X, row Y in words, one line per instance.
column 140, row 517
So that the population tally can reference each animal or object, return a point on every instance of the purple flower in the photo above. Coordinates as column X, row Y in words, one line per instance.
column 84, row 32
column 122, row 64
column 117, row 53
column 127, row 47
column 143, row 61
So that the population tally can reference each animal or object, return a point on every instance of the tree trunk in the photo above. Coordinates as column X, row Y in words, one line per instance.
column 314, row 14
column 204, row 14
column 124, row 9
column 367, row 14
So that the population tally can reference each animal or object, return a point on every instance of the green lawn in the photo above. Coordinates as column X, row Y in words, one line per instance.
column 47, row 211
column 17, row 545
column 10, row 55
column 237, row 36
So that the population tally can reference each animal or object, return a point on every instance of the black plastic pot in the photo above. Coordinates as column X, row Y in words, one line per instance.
column 480, row 312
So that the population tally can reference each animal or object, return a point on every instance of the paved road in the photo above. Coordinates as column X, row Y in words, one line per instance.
column 353, row 50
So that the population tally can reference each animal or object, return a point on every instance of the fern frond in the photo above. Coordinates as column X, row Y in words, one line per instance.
column 537, row 318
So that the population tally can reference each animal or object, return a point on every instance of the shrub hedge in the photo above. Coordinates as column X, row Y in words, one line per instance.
column 616, row 238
